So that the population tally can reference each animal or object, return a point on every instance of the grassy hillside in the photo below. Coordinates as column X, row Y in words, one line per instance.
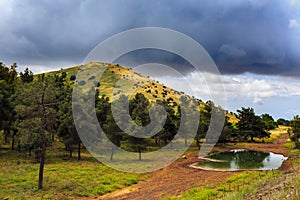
column 153, row 90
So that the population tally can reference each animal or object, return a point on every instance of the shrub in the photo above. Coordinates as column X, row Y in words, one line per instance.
column 72, row 78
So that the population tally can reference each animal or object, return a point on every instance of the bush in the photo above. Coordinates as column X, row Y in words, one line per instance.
column 81, row 83
column 72, row 78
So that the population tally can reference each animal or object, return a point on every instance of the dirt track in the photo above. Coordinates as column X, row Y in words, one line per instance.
column 178, row 177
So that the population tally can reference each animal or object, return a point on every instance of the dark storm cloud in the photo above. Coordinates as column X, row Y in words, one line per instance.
column 258, row 36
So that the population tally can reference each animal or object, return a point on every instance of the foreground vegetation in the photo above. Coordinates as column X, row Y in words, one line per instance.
column 235, row 187
column 64, row 178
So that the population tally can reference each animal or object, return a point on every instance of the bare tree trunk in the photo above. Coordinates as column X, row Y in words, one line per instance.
column 70, row 151
column 140, row 154
column 198, row 144
column 42, row 140
column 78, row 151
column 19, row 146
column 42, row 164
column 5, row 136
column 13, row 142
column 112, row 152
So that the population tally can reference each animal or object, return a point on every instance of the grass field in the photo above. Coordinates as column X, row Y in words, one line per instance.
column 63, row 179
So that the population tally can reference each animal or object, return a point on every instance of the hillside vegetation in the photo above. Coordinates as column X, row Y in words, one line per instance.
column 136, row 83
column 151, row 89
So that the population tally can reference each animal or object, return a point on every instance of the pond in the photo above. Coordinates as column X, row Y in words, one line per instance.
column 242, row 159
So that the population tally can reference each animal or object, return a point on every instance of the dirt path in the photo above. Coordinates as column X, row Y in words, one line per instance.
column 178, row 177
column 172, row 180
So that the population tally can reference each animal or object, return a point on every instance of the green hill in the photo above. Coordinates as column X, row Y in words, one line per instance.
column 152, row 89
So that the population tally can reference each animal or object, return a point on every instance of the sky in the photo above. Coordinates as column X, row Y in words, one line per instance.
column 254, row 43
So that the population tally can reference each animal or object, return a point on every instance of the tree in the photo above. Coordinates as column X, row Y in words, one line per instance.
column 250, row 125
column 66, row 129
column 107, row 121
column 12, row 115
column 138, row 109
column 171, row 125
column 205, row 115
column 268, row 122
column 36, row 115
column 227, row 132
column 113, row 132
column 283, row 122
column 102, row 105
column 4, row 108
column 295, row 124
column 27, row 76
column 8, row 77
column 188, row 110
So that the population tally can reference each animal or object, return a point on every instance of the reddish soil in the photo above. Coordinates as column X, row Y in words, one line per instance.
column 179, row 177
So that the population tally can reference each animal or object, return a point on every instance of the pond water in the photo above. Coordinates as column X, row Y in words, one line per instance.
column 242, row 159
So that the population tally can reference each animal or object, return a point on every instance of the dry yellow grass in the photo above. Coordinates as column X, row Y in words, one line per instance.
column 276, row 133
column 117, row 80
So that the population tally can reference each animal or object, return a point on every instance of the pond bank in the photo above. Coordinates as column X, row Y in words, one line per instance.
column 179, row 177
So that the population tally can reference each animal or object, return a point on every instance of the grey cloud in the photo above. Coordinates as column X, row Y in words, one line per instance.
column 241, row 36
column 232, row 51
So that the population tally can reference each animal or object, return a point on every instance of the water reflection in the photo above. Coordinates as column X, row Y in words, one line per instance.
column 241, row 159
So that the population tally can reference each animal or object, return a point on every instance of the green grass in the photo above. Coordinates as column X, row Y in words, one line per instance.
column 199, row 194
column 294, row 154
column 235, row 187
column 62, row 179
column 289, row 144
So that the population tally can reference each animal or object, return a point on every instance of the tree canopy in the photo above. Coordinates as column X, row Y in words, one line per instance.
column 250, row 125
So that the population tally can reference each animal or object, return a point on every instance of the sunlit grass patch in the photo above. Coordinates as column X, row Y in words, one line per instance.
column 275, row 134
column 62, row 179
column 199, row 194
column 234, row 187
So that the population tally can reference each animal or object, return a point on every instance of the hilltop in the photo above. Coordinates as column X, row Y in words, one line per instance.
column 150, row 88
